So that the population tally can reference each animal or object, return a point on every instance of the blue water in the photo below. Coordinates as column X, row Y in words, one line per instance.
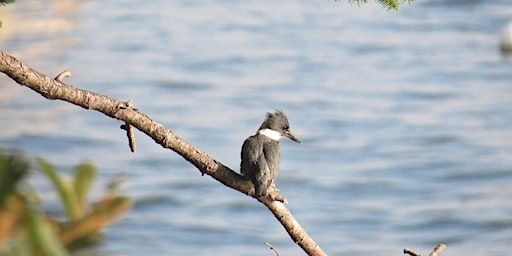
column 406, row 119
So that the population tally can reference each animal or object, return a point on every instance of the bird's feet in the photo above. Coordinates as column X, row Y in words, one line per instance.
column 273, row 194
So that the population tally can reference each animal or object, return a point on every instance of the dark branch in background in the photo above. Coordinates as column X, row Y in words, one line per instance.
column 436, row 252
column 54, row 89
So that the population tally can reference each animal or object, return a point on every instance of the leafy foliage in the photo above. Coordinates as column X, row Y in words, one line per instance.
column 389, row 4
column 4, row 2
column 12, row 169
column 24, row 228
column 63, row 186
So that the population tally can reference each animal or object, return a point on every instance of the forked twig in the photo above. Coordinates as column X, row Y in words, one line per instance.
column 272, row 248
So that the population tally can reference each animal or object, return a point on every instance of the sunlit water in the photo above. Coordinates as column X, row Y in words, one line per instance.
column 406, row 119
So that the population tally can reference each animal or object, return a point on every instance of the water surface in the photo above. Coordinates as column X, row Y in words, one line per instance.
column 406, row 119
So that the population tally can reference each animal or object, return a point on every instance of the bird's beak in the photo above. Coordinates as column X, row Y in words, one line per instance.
column 292, row 137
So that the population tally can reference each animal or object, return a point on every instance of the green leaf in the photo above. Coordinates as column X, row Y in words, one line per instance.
column 4, row 2
column 102, row 214
column 43, row 240
column 84, row 177
column 63, row 186
column 13, row 167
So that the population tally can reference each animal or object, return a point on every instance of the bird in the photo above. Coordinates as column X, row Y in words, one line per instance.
column 260, row 152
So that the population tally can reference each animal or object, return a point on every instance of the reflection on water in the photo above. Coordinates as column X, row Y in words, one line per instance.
column 405, row 117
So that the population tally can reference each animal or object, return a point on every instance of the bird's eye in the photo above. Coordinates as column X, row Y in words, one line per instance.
column 286, row 128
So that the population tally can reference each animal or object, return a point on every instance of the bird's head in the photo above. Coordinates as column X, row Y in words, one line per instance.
column 276, row 125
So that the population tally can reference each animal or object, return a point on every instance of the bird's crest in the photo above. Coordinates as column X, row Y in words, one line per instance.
column 278, row 117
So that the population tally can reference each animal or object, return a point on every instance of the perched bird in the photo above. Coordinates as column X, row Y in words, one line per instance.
column 260, row 152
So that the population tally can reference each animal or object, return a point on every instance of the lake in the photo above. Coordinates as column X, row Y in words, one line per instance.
column 405, row 118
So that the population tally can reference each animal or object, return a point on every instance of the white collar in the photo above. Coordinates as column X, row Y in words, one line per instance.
column 270, row 133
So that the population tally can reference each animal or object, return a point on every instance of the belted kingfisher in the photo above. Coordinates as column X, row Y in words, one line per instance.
column 260, row 152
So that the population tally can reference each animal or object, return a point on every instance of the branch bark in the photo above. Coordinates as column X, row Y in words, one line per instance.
column 55, row 89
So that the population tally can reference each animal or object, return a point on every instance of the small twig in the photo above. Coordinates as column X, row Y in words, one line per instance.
column 437, row 251
column 129, row 128
column 272, row 248
column 411, row 252
column 62, row 75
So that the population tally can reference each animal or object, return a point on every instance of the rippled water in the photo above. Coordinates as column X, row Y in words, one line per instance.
column 406, row 118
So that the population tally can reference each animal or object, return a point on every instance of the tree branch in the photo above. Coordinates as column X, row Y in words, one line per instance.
column 55, row 89
column 436, row 252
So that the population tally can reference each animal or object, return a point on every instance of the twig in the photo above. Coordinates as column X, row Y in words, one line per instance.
column 411, row 252
column 437, row 251
column 62, row 75
column 129, row 128
column 272, row 248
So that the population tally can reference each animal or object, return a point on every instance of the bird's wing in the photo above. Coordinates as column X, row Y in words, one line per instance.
column 272, row 158
column 252, row 151
column 254, row 165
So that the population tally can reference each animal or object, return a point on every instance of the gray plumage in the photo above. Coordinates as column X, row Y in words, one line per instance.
column 260, row 152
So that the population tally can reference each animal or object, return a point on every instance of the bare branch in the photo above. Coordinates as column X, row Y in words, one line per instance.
column 411, row 252
column 54, row 89
column 296, row 232
column 438, row 250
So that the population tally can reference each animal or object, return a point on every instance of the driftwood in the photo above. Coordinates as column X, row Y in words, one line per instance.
column 56, row 89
